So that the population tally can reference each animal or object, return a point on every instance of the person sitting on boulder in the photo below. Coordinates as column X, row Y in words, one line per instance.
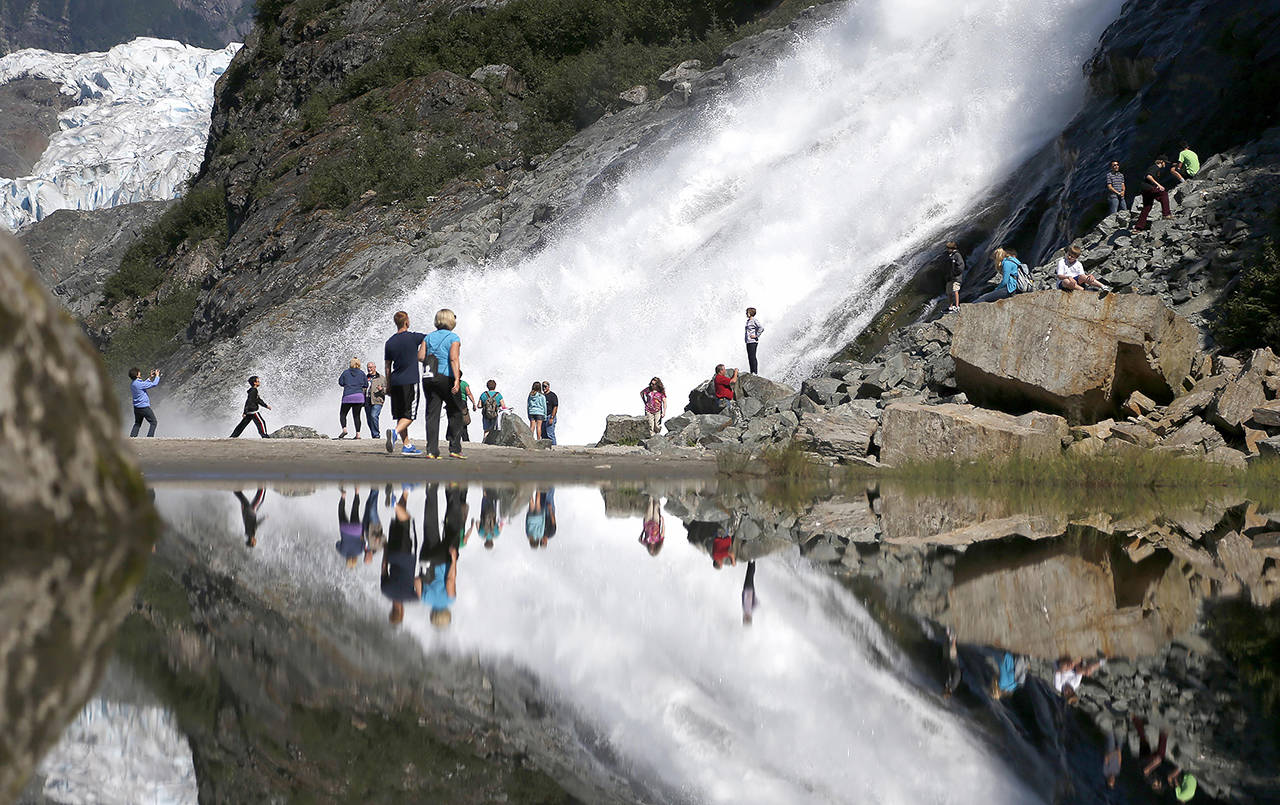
column 654, row 397
column 1188, row 164
column 955, row 274
column 1153, row 189
column 1072, row 276
column 1115, row 189
column 1007, row 262
column 1070, row 674
column 724, row 386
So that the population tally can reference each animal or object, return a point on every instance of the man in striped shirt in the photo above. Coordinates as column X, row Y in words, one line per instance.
column 1115, row 189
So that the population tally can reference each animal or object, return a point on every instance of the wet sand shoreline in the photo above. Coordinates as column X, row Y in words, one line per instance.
column 366, row 459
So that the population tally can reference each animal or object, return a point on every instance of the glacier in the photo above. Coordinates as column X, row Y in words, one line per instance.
column 137, row 134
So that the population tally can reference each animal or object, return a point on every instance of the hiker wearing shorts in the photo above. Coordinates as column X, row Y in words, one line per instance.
column 401, row 356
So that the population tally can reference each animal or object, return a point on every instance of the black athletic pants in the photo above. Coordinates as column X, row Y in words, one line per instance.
column 257, row 421
column 357, row 411
column 751, row 357
column 140, row 414
column 438, row 391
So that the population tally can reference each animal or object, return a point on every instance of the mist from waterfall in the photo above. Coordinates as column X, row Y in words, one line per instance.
column 869, row 141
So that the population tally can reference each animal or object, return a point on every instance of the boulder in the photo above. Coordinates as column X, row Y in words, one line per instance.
column 297, row 432
column 918, row 432
column 511, row 431
column 624, row 429
column 1139, row 404
column 683, row 71
column 1269, row 447
column 1237, row 401
column 842, row 436
column 762, row 389
column 702, row 399
column 1072, row 353
column 1267, row 415
column 506, row 77
column 636, row 95
column 78, row 522
column 849, row 519
column 1196, row 433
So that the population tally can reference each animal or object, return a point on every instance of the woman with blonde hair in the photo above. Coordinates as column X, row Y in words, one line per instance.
column 1007, row 264
column 441, row 351
column 354, row 382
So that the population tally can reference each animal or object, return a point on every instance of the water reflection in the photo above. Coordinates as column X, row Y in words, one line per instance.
column 631, row 677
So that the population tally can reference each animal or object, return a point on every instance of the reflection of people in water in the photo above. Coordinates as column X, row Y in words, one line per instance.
column 400, row 582
column 490, row 527
column 749, row 600
column 549, row 509
column 438, row 560
column 1011, row 673
column 1070, row 673
column 539, row 519
column 654, row 531
column 722, row 550
column 954, row 676
column 350, row 531
column 1182, row 785
column 371, row 527
column 249, row 513
column 1111, row 760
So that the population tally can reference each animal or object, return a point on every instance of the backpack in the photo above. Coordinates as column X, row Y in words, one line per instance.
column 489, row 405
column 1024, row 277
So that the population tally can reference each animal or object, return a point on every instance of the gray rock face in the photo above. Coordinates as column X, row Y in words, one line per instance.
column 839, row 435
column 916, row 432
column 702, row 399
column 762, row 389
column 1071, row 352
column 63, row 471
column 29, row 110
column 297, row 432
column 76, row 251
column 623, row 429
column 511, row 431
column 82, row 27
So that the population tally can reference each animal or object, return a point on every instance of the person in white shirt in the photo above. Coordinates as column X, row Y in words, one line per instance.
column 1072, row 276
column 753, row 331
column 1069, row 674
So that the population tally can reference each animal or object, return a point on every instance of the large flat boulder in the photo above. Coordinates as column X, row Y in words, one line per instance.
column 755, row 387
column 841, row 435
column 624, row 429
column 911, row 432
column 78, row 522
column 1073, row 353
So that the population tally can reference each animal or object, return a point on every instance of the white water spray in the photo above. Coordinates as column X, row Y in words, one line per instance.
column 869, row 141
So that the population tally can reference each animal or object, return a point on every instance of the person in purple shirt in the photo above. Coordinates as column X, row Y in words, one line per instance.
column 354, row 382
column 351, row 542
column 142, row 401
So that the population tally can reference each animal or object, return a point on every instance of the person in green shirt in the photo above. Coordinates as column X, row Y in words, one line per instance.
column 1188, row 164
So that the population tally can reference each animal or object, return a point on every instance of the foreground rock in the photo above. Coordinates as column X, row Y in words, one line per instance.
column 297, row 432
column 624, row 430
column 912, row 432
column 511, row 431
column 77, row 521
column 1073, row 353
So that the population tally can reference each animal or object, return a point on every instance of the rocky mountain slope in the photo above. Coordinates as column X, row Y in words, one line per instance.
column 80, row 26
column 29, row 109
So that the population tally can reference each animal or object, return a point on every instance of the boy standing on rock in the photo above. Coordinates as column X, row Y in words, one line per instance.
column 753, row 332
column 1152, row 189
column 955, row 274
column 401, row 354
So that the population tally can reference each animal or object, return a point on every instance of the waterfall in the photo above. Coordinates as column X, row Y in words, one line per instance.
column 869, row 141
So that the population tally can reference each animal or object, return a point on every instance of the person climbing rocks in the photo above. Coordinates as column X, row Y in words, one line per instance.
column 401, row 356
column 536, row 407
column 1153, row 189
column 142, row 401
column 353, row 382
column 1188, row 164
column 1006, row 261
column 723, row 382
column 491, row 406
column 553, row 412
column 375, row 396
column 1072, row 276
column 754, row 330
column 399, row 577
column 654, row 397
column 251, row 405
column 1115, row 189
column 955, row 274
column 441, row 352
column 653, row 532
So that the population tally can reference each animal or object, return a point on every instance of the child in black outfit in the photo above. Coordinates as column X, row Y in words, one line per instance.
column 251, row 405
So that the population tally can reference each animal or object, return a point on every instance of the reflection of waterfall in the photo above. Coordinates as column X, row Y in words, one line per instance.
column 122, row 748
column 812, row 703
column 873, row 138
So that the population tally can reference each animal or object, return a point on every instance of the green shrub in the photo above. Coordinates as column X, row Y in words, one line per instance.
column 146, row 341
column 199, row 215
column 1250, row 318
column 1250, row 638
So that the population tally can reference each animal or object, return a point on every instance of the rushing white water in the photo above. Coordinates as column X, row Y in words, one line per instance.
column 872, row 138
column 811, row 703
column 137, row 134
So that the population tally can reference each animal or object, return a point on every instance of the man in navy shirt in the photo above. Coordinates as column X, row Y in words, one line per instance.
column 401, row 354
